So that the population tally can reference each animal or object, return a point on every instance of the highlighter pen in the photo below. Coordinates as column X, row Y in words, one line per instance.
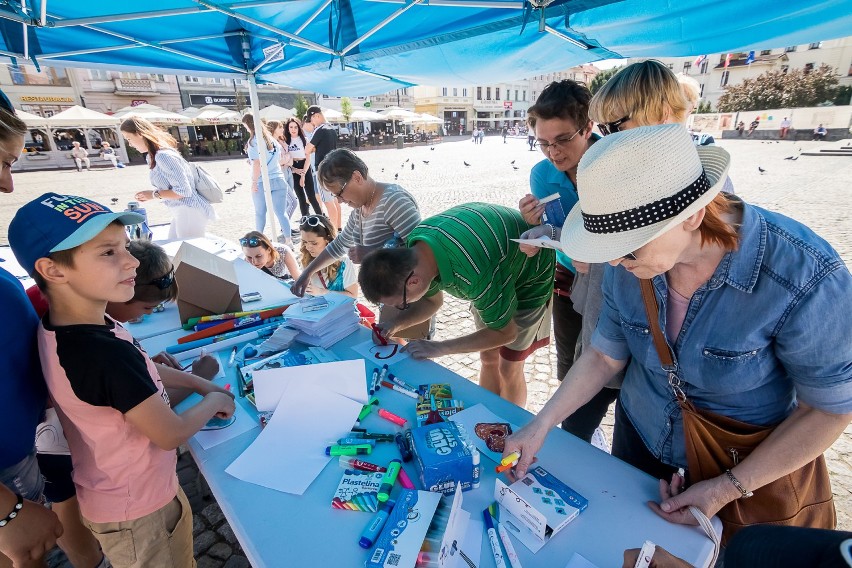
column 399, row 389
column 394, row 379
column 391, row 417
column 388, row 480
column 404, row 480
column 513, row 457
column 361, row 465
column 492, row 538
column 358, row 450
column 402, row 445
column 354, row 441
column 367, row 409
column 372, row 530
column 502, row 468
column 362, row 433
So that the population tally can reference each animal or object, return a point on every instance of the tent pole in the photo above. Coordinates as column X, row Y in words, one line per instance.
column 264, row 154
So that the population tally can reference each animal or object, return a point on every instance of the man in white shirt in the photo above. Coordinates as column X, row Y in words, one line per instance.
column 785, row 126
column 81, row 156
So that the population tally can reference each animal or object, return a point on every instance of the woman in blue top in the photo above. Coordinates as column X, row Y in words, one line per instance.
column 748, row 301
column 283, row 197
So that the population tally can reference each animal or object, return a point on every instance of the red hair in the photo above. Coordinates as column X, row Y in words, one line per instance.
column 714, row 229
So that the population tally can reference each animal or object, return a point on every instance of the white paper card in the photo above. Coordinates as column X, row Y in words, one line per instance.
column 579, row 561
column 243, row 423
column 379, row 355
column 541, row 242
column 290, row 452
column 346, row 378
column 475, row 420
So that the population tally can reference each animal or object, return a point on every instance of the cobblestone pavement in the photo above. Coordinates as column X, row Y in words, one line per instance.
column 814, row 190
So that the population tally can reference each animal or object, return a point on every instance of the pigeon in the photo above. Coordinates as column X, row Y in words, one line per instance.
column 431, row 147
column 114, row 200
column 395, row 176
column 777, row 141
column 412, row 166
column 761, row 170
column 238, row 183
column 794, row 158
column 515, row 168
column 407, row 160
column 426, row 162
column 512, row 162
column 383, row 169
column 466, row 164
column 227, row 171
column 231, row 189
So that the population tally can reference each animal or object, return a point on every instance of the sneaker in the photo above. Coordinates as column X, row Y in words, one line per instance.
column 599, row 440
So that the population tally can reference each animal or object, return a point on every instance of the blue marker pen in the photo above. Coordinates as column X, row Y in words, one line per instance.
column 372, row 530
column 373, row 382
column 402, row 445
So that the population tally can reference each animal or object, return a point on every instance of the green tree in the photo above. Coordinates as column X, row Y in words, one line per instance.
column 346, row 108
column 301, row 107
column 704, row 107
column 777, row 89
column 843, row 95
column 602, row 77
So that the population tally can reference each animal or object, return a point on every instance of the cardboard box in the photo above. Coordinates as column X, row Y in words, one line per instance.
column 207, row 284
column 540, row 503
column 442, row 457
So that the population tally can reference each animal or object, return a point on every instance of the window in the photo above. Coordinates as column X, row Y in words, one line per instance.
column 704, row 65
column 497, row 94
column 455, row 92
column 525, row 95
column 190, row 79
column 99, row 75
column 686, row 67
column 808, row 68
column 157, row 77
column 790, row 49
column 24, row 74
column 488, row 93
column 766, row 52
column 444, row 92
column 725, row 75
column 464, row 92
column 815, row 45
column 215, row 81
column 516, row 95
column 533, row 95
column 479, row 93
column 129, row 75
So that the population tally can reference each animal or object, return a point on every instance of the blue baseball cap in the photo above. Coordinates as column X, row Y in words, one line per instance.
column 54, row 222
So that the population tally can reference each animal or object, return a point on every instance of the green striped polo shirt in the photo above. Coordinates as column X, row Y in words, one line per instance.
column 478, row 262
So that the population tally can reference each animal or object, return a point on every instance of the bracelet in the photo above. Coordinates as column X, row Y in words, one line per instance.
column 156, row 194
column 18, row 506
column 745, row 494
column 552, row 232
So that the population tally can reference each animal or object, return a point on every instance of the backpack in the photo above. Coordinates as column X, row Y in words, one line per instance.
column 207, row 186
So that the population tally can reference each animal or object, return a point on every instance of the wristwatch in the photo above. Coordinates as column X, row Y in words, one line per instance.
column 156, row 194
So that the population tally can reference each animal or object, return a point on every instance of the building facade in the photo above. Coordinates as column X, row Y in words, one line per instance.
column 43, row 92
column 234, row 93
column 714, row 76
column 108, row 91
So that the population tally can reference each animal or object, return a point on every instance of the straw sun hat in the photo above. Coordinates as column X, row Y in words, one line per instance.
column 637, row 184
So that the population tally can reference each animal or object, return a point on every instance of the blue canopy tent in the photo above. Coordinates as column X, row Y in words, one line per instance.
column 361, row 47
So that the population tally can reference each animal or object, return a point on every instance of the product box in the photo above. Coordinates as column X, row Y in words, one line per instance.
column 442, row 457
column 207, row 284
column 400, row 541
column 358, row 491
column 445, row 404
column 541, row 503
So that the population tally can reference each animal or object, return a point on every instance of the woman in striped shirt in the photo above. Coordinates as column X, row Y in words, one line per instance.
column 381, row 212
column 172, row 176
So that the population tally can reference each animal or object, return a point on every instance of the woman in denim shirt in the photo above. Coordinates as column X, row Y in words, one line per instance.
column 753, row 305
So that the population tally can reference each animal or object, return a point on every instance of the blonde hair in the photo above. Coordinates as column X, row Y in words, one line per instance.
column 248, row 122
column 11, row 126
column 647, row 92
column 690, row 87
column 273, row 125
column 155, row 137
column 327, row 231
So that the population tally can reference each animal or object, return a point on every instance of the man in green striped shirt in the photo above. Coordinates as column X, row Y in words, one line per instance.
column 468, row 252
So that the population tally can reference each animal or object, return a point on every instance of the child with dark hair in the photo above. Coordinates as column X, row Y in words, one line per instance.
column 339, row 276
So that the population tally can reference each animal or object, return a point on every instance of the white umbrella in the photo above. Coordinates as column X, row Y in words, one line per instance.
column 275, row 112
column 190, row 112
column 215, row 114
column 430, row 119
column 80, row 116
column 332, row 115
column 31, row 120
column 398, row 113
column 153, row 113
column 367, row 115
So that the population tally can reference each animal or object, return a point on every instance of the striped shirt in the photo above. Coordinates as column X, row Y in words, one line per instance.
column 478, row 261
column 175, row 173
column 396, row 212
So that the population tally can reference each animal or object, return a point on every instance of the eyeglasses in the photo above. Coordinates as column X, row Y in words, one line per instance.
column 164, row 282
column 342, row 188
column 250, row 242
column 560, row 142
column 405, row 305
column 612, row 127
column 629, row 256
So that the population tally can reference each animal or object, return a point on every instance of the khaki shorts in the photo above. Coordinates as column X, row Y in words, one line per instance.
column 533, row 331
column 162, row 538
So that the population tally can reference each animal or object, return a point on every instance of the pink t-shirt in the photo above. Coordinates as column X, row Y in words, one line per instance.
column 676, row 307
column 95, row 374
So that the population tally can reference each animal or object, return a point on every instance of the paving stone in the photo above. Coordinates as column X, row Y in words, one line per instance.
column 198, row 525
column 220, row 550
column 213, row 514
column 203, row 541
column 227, row 533
column 208, row 562
column 237, row 561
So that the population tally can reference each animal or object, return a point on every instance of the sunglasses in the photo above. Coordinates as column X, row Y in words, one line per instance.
column 405, row 305
column 559, row 143
column 250, row 242
column 311, row 221
column 164, row 282
column 612, row 127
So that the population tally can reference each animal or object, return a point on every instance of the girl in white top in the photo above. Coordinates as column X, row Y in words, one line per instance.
column 302, row 172
column 341, row 276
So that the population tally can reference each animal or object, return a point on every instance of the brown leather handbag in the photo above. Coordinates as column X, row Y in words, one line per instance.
column 715, row 444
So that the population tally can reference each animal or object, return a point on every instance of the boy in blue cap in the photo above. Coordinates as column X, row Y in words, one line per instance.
column 106, row 390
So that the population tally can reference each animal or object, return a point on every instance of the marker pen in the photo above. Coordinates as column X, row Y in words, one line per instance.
column 492, row 538
column 384, row 372
column 362, row 433
column 394, row 379
column 391, row 417
column 502, row 468
column 372, row 530
column 354, row 463
column 399, row 389
column 388, row 480
column 402, row 445
column 358, row 450
column 373, row 381
column 514, row 456
column 367, row 409
column 507, row 544
column 404, row 480
column 355, row 441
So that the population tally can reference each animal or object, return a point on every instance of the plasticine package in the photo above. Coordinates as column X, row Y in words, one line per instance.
column 442, row 456
column 401, row 539
column 540, row 502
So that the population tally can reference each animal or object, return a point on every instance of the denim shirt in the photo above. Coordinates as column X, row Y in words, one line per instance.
column 770, row 327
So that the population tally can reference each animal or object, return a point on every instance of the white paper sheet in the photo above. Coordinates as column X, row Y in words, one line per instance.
column 379, row 355
column 290, row 452
column 476, row 414
column 243, row 423
column 346, row 378
column 579, row 561
column 336, row 302
column 541, row 242
column 273, row 291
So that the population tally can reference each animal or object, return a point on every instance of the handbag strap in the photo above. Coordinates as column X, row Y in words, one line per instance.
column 708, row 529
column 652, row 310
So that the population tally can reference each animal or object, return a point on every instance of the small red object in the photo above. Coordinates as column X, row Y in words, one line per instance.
column 377, row 332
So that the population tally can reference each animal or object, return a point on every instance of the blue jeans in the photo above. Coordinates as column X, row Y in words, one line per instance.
column 281, row 205
column 25, row 478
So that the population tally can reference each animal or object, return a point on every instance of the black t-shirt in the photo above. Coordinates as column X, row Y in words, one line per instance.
column 103, row 369
column 325, row 140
